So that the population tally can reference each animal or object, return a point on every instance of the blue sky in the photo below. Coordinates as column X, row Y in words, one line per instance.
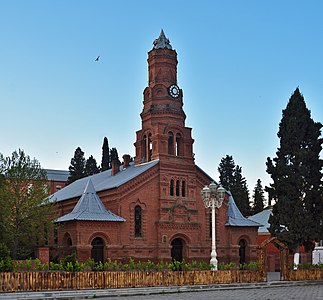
column 239, row 63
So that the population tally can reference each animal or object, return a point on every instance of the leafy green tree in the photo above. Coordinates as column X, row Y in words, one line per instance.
column 91, row 166
column 4, row 251
column 232, row 180
column 77, row 167
column 296, row 172
column 258, row 198
column 26, row 214
column 106, row 161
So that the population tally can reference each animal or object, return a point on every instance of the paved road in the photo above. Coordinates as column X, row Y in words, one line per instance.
column 310, row 292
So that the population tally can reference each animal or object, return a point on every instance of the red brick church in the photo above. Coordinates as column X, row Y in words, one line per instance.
column 152, row 208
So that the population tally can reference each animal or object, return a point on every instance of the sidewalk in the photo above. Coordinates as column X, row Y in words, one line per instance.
column 89, row 294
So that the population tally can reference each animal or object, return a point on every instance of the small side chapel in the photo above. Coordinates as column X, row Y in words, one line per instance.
column 152, row 208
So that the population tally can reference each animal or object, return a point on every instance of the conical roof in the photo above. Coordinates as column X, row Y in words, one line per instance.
column 162, row 42
column 262, row 218
column 90, row 208
column 235, row 217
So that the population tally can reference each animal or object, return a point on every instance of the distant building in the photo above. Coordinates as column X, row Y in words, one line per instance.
column 263, row 235
column 272, row 253
column 57, row 179
column 152, row 208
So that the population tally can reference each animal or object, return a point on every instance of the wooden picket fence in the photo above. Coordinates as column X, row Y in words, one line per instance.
column 42, row 281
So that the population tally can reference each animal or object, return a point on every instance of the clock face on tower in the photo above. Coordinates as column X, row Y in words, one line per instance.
column 173, row 90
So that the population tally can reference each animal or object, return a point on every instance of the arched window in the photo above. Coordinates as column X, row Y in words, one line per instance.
column 55, row 235
column 69, row 242
column 138, row 220
column 170, row 143
column 242, row 251
column 97, row 252
column 150, row 147
column 144, row 148
column 177, row 187
column 183, row 189
column 171, row 188
column 179, row 145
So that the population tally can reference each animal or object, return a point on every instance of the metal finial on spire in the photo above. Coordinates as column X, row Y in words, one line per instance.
column 162, row 42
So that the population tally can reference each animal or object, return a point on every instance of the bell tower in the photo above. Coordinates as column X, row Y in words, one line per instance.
column 163, row 134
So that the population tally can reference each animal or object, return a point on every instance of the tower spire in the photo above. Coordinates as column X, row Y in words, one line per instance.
column 162, row 42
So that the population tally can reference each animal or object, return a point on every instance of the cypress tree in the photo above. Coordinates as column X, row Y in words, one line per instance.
column 258, row 198
column 77, row 167
column 232, row 180
column 296, row 172
column 226, row 170
column 114, row 154
column 106, row 162
column 91, row 166
column 240, row 192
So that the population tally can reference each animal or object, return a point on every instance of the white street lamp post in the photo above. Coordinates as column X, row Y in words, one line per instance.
column 213, row 196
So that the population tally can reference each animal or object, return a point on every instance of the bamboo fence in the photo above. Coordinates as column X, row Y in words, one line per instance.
column 304, row 274
column 42, row 281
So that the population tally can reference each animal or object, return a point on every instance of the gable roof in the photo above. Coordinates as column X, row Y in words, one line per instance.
column 90, row 208
column 262, row 218
column 102, row 181
column 235, row 217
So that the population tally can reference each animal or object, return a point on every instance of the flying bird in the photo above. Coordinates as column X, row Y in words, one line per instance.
column 97, row 59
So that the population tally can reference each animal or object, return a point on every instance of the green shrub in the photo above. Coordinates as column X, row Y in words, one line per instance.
column 28, row 264
column 99, row 266
column 176, row 265
column 202, row 265
column 227, row 266
column 161, row 266
column 18, row 265
column 6, row 264
column 90, row 264
column 70, row 264
column 39, row 266
column 132, row 264
column 56, row 266
column 253, row 265
column 309, row 266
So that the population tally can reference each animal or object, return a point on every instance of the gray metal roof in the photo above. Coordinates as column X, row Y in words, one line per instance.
column 57, row 175
column 102, row 181
column 162, row 42
column 262, row 218
column 235, row 217
column 90, row 208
